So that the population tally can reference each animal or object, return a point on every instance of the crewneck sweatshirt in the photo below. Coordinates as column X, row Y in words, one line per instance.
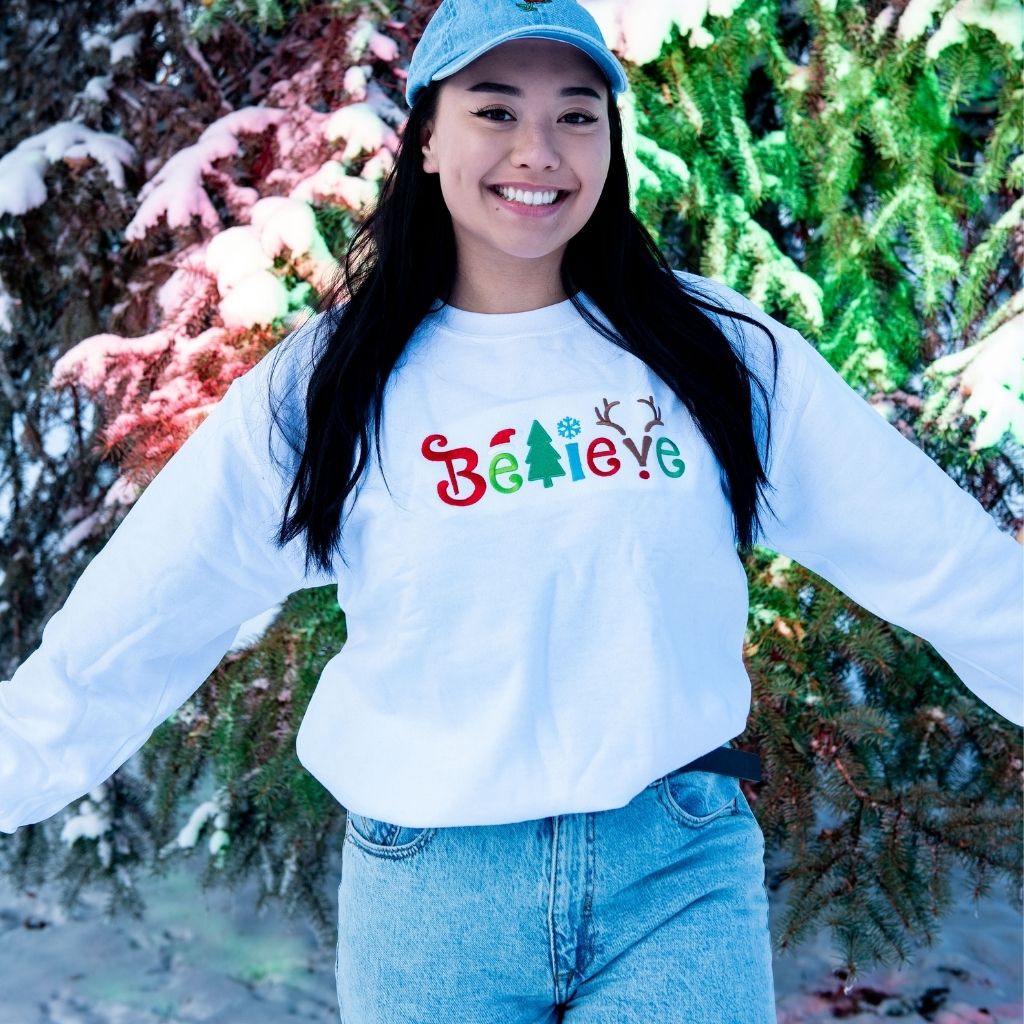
column 546, row 610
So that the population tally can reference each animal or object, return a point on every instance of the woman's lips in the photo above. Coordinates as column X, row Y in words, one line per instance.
column 544, row 210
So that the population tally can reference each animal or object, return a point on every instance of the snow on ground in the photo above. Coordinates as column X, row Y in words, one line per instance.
column 974, row 974
column 195, row 957
column 208, row 957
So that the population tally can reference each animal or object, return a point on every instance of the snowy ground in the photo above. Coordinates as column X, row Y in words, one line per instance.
column 208, row 957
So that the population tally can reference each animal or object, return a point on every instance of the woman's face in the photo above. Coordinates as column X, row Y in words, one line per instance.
column 530, row 112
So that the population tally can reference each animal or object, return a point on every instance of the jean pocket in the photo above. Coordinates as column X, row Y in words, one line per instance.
column 695, row 798
column 384, row 839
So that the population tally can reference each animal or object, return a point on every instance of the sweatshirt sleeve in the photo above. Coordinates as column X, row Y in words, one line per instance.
column 154, row 611
column 865, row 508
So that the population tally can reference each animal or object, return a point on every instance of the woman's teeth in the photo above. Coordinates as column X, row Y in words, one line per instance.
column 528, row 198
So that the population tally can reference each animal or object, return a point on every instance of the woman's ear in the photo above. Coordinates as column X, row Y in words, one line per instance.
column 427, row 148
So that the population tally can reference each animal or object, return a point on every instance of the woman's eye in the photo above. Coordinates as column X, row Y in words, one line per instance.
column 490, row 110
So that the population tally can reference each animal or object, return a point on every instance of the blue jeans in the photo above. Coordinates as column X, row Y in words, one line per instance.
column 655, row 912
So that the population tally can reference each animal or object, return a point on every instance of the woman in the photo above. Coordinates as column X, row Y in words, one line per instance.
column 538, row 556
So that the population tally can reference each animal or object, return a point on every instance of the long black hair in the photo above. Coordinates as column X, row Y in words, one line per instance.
column 402, row 258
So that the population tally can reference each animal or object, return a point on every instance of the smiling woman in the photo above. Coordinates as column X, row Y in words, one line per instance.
column 522, row 177
column 531, row 454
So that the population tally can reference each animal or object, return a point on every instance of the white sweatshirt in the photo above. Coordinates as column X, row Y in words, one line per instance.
column 545, row 612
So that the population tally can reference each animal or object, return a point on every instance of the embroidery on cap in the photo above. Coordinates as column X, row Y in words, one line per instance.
column 531, row 5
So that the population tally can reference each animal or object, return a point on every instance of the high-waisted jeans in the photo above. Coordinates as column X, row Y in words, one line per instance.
column 651, row 913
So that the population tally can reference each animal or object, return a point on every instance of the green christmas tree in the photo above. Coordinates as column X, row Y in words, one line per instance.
column 544, row 461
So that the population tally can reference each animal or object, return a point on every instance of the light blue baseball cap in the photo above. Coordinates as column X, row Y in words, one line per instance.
column 461, row 30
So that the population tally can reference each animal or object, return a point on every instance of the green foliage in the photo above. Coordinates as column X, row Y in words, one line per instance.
column 266, row 15
column 842, row 193
column 272, row 16
column 860, row 722
column 238, row 732
column 240, row 728
column 337, row 226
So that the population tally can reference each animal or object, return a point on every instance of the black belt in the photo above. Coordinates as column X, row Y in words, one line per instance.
column 741, row 764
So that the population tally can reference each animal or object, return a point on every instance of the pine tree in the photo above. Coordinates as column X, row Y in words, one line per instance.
column 859, row 177
column 853, row 168
column 193, row 306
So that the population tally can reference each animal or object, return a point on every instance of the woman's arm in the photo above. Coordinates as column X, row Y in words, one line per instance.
column 154, row 611
column 866, row 509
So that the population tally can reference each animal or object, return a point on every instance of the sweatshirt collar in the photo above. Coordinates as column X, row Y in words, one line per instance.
column 504, row 325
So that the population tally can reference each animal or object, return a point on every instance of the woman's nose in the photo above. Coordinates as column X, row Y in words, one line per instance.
column 534, row 147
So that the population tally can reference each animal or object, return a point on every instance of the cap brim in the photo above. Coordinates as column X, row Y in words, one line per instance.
column 611, row 72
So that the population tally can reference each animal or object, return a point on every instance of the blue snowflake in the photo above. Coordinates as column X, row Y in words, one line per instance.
column 568, row 427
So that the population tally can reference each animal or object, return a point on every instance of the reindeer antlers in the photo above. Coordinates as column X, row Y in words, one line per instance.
column 604, row 420
column 657, row 413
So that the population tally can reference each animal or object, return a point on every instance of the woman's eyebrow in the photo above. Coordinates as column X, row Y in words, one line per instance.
column 511, row 90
